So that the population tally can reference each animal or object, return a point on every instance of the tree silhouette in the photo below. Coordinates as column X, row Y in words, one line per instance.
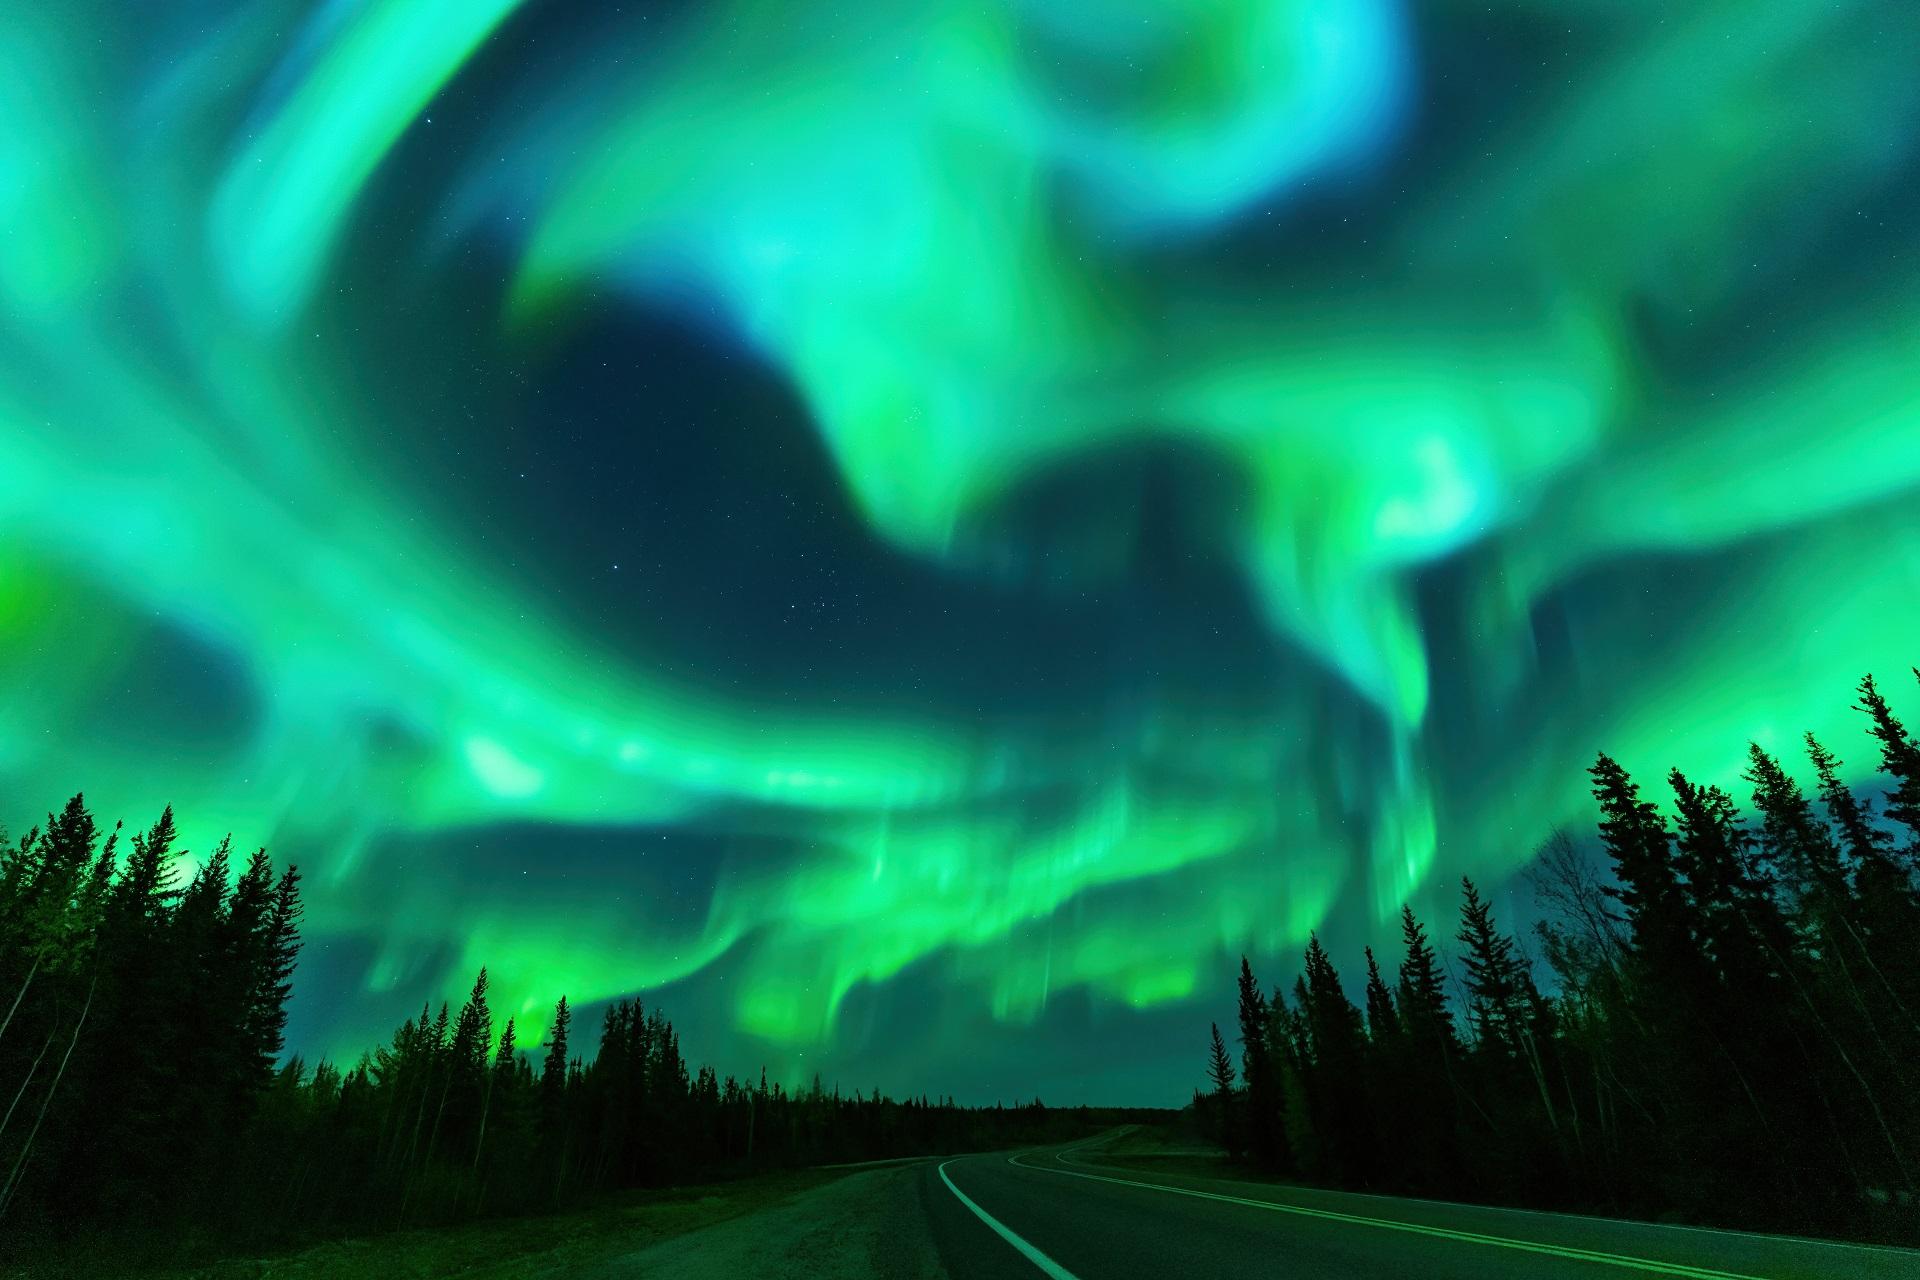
column 1731, row 1034
column 1383, row 1020
column 1899, row 760
column 1220, row 1072
column 1266, row 1132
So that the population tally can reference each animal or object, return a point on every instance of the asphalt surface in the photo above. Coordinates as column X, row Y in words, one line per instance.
column 1065, row 1215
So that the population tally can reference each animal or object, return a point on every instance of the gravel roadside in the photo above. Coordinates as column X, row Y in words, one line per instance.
column 864, row 1225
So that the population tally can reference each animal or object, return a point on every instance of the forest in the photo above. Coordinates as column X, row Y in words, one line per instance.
column 1716, row 1019
column 151, row 1111
column 1726, row 1029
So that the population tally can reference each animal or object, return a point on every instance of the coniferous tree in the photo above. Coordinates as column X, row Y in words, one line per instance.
column 1292, row 1057
column 1886, row 909
column 553, row 1074
column 1514, row 1037
column 282, row 953
column 1736, row 1044
column 1899, row 760
column 1383, row 1020
column 1738, row 926
column 1495, row 1006
column 1636, row 837
column 1266, row 1134
column 506, row 1058
column 151, row 1090
column 1749, row 1006
column 1428, row 1076
column 54, row 870
column 145, row 890
column 1335, row 1075
column 205, row 1033
column 1863, row 842
column 473, row 1031
column 1872, row 940
column 1423, row 994
column 135, row 1037
column 245, row 963
column 1797, row 850
column 1220, row 1072
column 500, row 1082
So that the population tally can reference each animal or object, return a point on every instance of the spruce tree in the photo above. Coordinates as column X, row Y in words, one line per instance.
column 505, row 1058
column 1332, row 1021
column 1636, row 838
column 1795, row 843
column 20, row 864
column 205, row 896
column 1865, row 844
column 1423, row 993
column 553, row 1071
column 141, row 897
column 1383, row 1020
column 1740, row 928
column 499, row 1087
column 1899, row 760
column 246, row 934
column 1882, row 920
column 1220, row 1072
column 1266, row 1136
column 205, row 1116
column 1336, row 1079
column 100, row 878
column 1428, row 1086
column 134, row 1049
column 272, row 976
column 473, row 1032
column 1494, row 1004
column 60, row 863
column 66, row 850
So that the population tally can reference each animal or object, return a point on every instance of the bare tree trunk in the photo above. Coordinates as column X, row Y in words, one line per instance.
column 413, row 1145
column 21, row 995
column 486, row 1105
column 13, row 1178
column 1826, row 1108
column 389, row 1131
column 1608, row 1121
column 439, row 1114
column 1646, row 1114
column 1573, row 1108
column 21, row 1091
column 1866, row 1090
column 1866, row 1012
column 419, row 1116
column 1539, row 1073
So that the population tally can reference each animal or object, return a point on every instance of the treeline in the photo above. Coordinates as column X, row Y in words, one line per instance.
column 148, row 1109
column 140, row 1020
column 1730, row 1032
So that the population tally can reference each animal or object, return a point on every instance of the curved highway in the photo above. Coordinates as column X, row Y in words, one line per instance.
column 1065, row 1215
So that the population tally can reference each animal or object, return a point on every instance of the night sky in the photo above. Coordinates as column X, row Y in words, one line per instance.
column 914, row 534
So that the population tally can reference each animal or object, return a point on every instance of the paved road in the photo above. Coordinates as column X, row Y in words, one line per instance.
column 1064, row 1215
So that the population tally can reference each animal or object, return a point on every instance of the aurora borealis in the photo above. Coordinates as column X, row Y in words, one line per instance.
column 916, row 533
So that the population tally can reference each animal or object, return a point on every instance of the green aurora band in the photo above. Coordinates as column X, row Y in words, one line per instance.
column 1547, row 376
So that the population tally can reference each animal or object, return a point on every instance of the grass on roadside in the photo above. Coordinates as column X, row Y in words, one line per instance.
column 553, row 1245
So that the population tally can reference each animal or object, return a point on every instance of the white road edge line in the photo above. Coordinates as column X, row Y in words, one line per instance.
column 1414, row 1228
column 1510, row 1210
column 1047, row 1265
